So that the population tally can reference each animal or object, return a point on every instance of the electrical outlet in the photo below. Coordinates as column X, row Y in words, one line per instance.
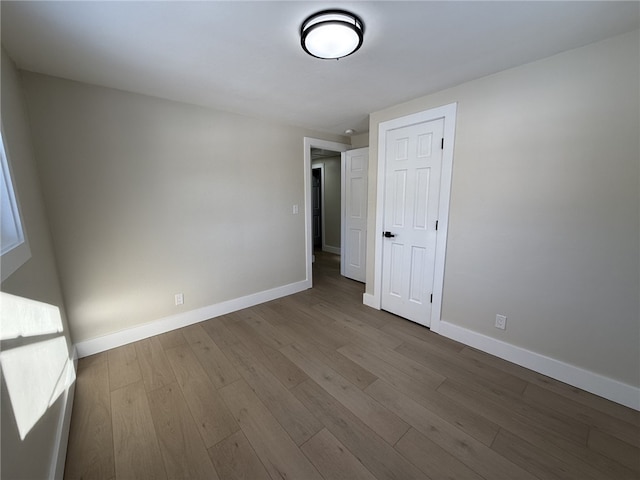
column 179, row 297
column 501, row 322
column 295, row 209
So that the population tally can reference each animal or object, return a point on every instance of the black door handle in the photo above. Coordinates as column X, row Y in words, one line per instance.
column 388, row 234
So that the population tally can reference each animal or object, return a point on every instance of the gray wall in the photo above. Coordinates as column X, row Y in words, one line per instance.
column 148, row 198
column 544, row 219
column 359, row 141
column 332, row 213
column 37, row 279
column 332, row 201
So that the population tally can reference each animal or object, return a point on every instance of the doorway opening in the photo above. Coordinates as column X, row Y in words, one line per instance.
column 326, row 180
column 326, row 233
column 317, row 198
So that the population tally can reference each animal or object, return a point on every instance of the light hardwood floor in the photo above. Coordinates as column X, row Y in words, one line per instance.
column 316, row 385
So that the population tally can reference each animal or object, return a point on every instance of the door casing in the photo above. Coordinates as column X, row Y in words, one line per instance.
column 448, row 114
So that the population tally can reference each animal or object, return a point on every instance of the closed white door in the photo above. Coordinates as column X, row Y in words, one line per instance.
column 354, row 203
column 412, row 190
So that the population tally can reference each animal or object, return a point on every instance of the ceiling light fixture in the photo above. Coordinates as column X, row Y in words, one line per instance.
column 331, row 34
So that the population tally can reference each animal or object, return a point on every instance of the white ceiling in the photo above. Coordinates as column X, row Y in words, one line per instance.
column 245, row 57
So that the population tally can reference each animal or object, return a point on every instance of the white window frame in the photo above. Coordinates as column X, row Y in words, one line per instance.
column 17, row 252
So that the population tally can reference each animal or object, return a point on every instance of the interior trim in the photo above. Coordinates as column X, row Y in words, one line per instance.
column 59, row 456
column 592, row 382
column 184, row 319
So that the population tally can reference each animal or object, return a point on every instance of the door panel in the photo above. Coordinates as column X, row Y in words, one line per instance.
column 399, row 198
column 413, row 162
column 355, row 181
column 420, row 215
column 395, row 275
column 354, row 242
column 417, row 275
column 357, row 206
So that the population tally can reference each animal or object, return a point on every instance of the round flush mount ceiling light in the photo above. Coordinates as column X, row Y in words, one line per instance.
column 331, row 34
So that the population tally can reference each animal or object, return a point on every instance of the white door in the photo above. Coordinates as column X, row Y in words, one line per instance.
column 354, row 207
column 412, row 191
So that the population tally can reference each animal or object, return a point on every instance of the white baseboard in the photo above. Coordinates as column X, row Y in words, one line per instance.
column 172, row 322
column 59, row 456
column 370, row 301
column 597, row 384
column 330, row 249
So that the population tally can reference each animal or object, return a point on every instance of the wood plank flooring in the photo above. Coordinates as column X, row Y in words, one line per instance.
column 318, row 386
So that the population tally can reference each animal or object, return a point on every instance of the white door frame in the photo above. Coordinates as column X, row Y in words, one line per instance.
column 448, row 113
column 310, row 143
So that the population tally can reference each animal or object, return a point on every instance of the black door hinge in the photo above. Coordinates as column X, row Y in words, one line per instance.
column 431, row 301
column 436, row 225
column 442, row 144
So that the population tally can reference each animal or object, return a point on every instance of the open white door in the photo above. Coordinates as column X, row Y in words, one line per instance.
column 355, row 166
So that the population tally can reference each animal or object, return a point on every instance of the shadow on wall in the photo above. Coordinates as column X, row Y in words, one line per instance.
column 36, row 367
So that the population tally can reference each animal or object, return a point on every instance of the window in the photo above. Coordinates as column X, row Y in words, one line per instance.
column 14, row 247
